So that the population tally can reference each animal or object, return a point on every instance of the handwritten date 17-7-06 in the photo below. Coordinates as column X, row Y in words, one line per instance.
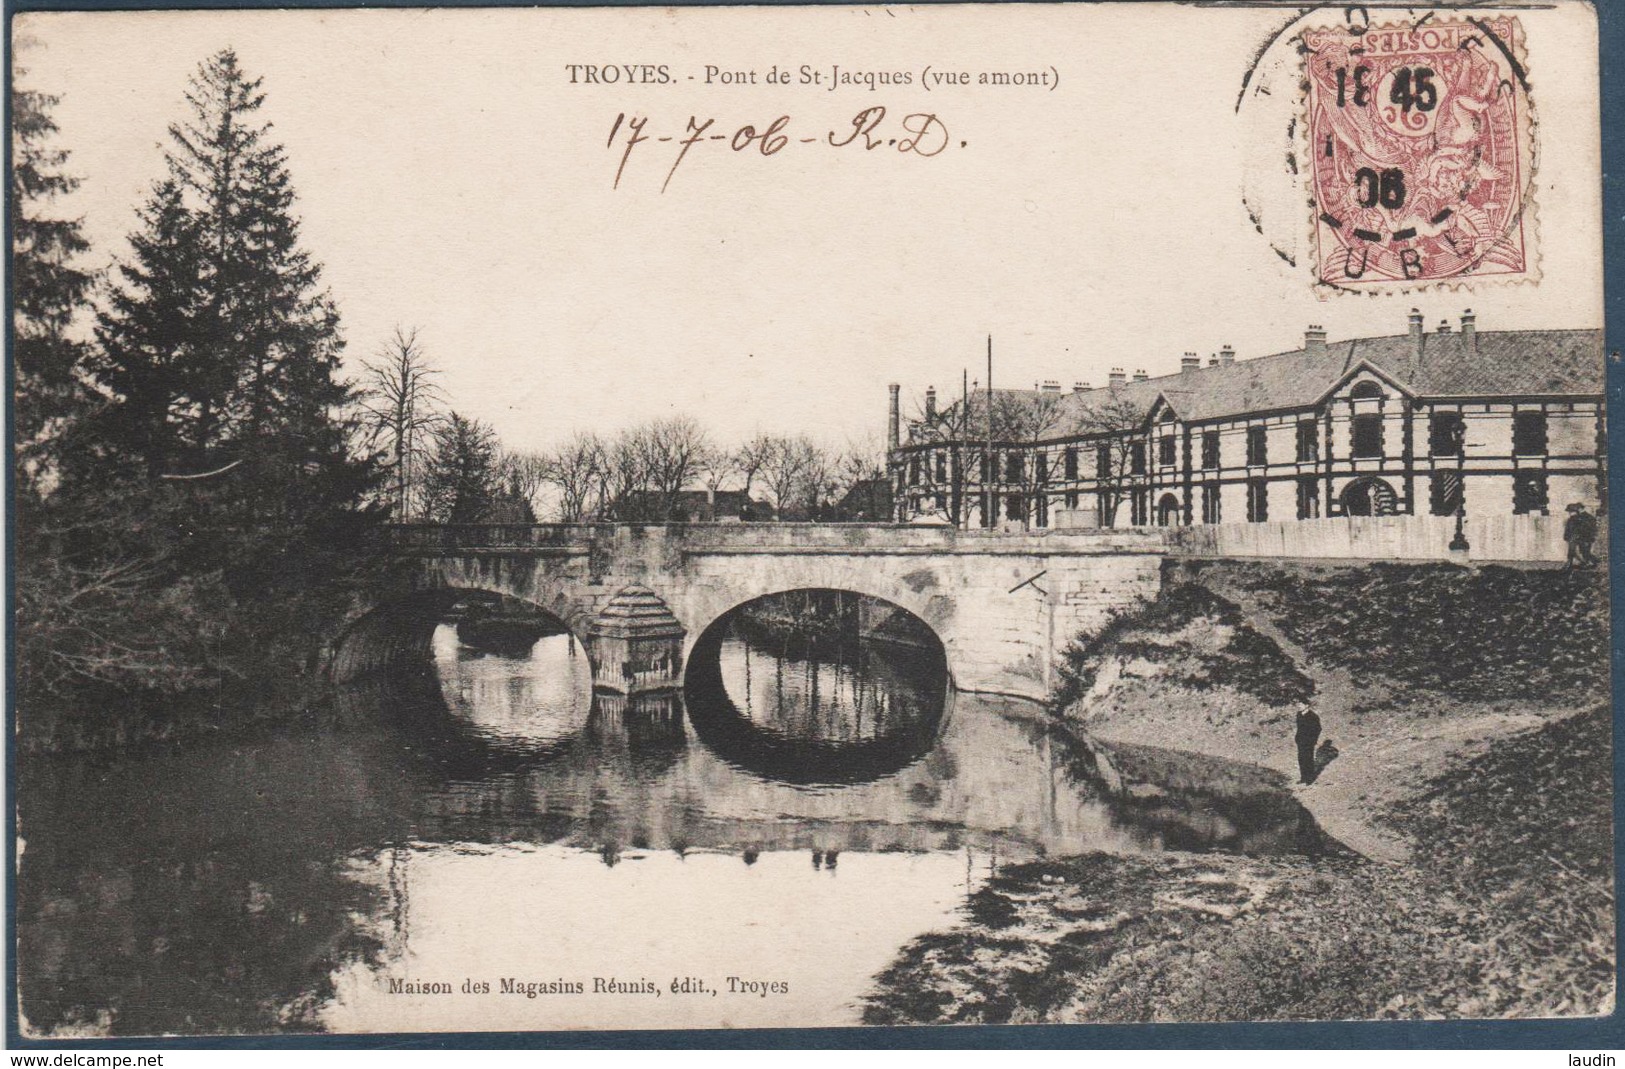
column 917, row 134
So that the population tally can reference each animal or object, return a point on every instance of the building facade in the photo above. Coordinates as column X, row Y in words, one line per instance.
column 1450, row 422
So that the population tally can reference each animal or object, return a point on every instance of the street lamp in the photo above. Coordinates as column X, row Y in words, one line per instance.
column 1458, row 544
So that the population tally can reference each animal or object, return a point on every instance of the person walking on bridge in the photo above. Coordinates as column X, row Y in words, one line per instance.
column 1308, row 734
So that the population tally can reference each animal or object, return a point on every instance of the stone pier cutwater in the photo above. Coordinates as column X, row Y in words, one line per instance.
column 636, row 644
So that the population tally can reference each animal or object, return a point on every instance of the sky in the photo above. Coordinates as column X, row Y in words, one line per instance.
column 453, row 178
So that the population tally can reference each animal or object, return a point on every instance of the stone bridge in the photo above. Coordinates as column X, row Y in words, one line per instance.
column 639, row 597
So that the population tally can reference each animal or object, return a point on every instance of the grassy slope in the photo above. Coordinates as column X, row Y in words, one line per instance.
column 1478, row 925
column 1504, row 908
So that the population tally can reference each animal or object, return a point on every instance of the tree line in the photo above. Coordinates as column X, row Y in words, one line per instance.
column 444, row 467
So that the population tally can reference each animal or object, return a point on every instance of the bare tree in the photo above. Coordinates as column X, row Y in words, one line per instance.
column 960, row 428
column 523, row 475
column 819, row 480
column 1025, row 420
column 674, row 452
column 718, row 467
column 625, row 479
column 1113, row 420
column 577, row 468
column 401, row 409
column 785, row 469
column 750, row 458
column 862, row 466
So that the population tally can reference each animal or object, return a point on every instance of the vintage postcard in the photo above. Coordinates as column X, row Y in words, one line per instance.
column 533, row 519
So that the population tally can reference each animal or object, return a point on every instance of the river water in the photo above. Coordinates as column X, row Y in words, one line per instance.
column 490, row 847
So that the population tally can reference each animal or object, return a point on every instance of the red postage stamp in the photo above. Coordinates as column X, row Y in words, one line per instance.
column 1420, row 153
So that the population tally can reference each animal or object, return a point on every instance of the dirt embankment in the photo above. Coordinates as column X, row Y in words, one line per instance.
column 1473, row 763
column 1411, row 668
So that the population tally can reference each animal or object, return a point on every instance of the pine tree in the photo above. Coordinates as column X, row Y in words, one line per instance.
column 149, row 342
column 47, row 286
column 219, row 344
column 227, row 428
column 463, row 480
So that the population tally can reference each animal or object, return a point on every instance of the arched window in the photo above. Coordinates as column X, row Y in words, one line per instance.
column 1366, row 390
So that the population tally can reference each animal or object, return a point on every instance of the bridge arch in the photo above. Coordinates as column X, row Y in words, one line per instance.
column 704, row 601
column 874, row 612
column 400, row 630
column 876, row 729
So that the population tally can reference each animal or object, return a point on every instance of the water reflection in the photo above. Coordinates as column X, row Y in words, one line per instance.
column 494, row 821
column 828, row 713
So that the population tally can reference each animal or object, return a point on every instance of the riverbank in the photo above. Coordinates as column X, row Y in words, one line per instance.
column 1482, row 886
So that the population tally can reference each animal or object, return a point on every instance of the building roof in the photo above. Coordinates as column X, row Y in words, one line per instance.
column 865, row 491
column 1526, row 363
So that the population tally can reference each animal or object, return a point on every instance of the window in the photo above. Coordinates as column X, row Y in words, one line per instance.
column 1103, row 462
column 1365, row 433
column 1014, row 508
column 1445, row 434
column 981, row 467
column 1365, row 391
column 1210, row 450
column 1041, row 510
column 1140, row 507
column 1257, row 446
column 1071, row 499
column 1013, row 468
column 1529, row 492
column 1529, row 434
column 1444, row 493
column 1070, row 462
column 942, row 467
column 1041, row 471
column 1166, row 448
column 1308, row 441
column 1308, row 497
column 914, row 470
column 1136, row 458
column 1258, row 501
column 1210, row 503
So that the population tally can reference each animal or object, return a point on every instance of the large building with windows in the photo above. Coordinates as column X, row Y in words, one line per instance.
column 1450, row 422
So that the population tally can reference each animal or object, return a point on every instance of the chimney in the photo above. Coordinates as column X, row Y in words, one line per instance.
column 930, row 402
column 1116, row 378
column 1314, row 340
column 1051, row 386
column 1079, row 387
column 1469, row 330
column 1444, row 326
column 1212, row 359
column 1140, row 375
column 1189, row 362
column 1227, row 355
column 894, row 425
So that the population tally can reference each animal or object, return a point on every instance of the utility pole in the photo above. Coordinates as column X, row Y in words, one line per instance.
column 960, row 433
column 990, row 505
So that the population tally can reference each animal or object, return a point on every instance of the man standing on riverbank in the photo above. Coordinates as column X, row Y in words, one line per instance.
column 1307, row 735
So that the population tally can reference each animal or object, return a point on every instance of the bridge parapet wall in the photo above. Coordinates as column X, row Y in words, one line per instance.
column 663, row 540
